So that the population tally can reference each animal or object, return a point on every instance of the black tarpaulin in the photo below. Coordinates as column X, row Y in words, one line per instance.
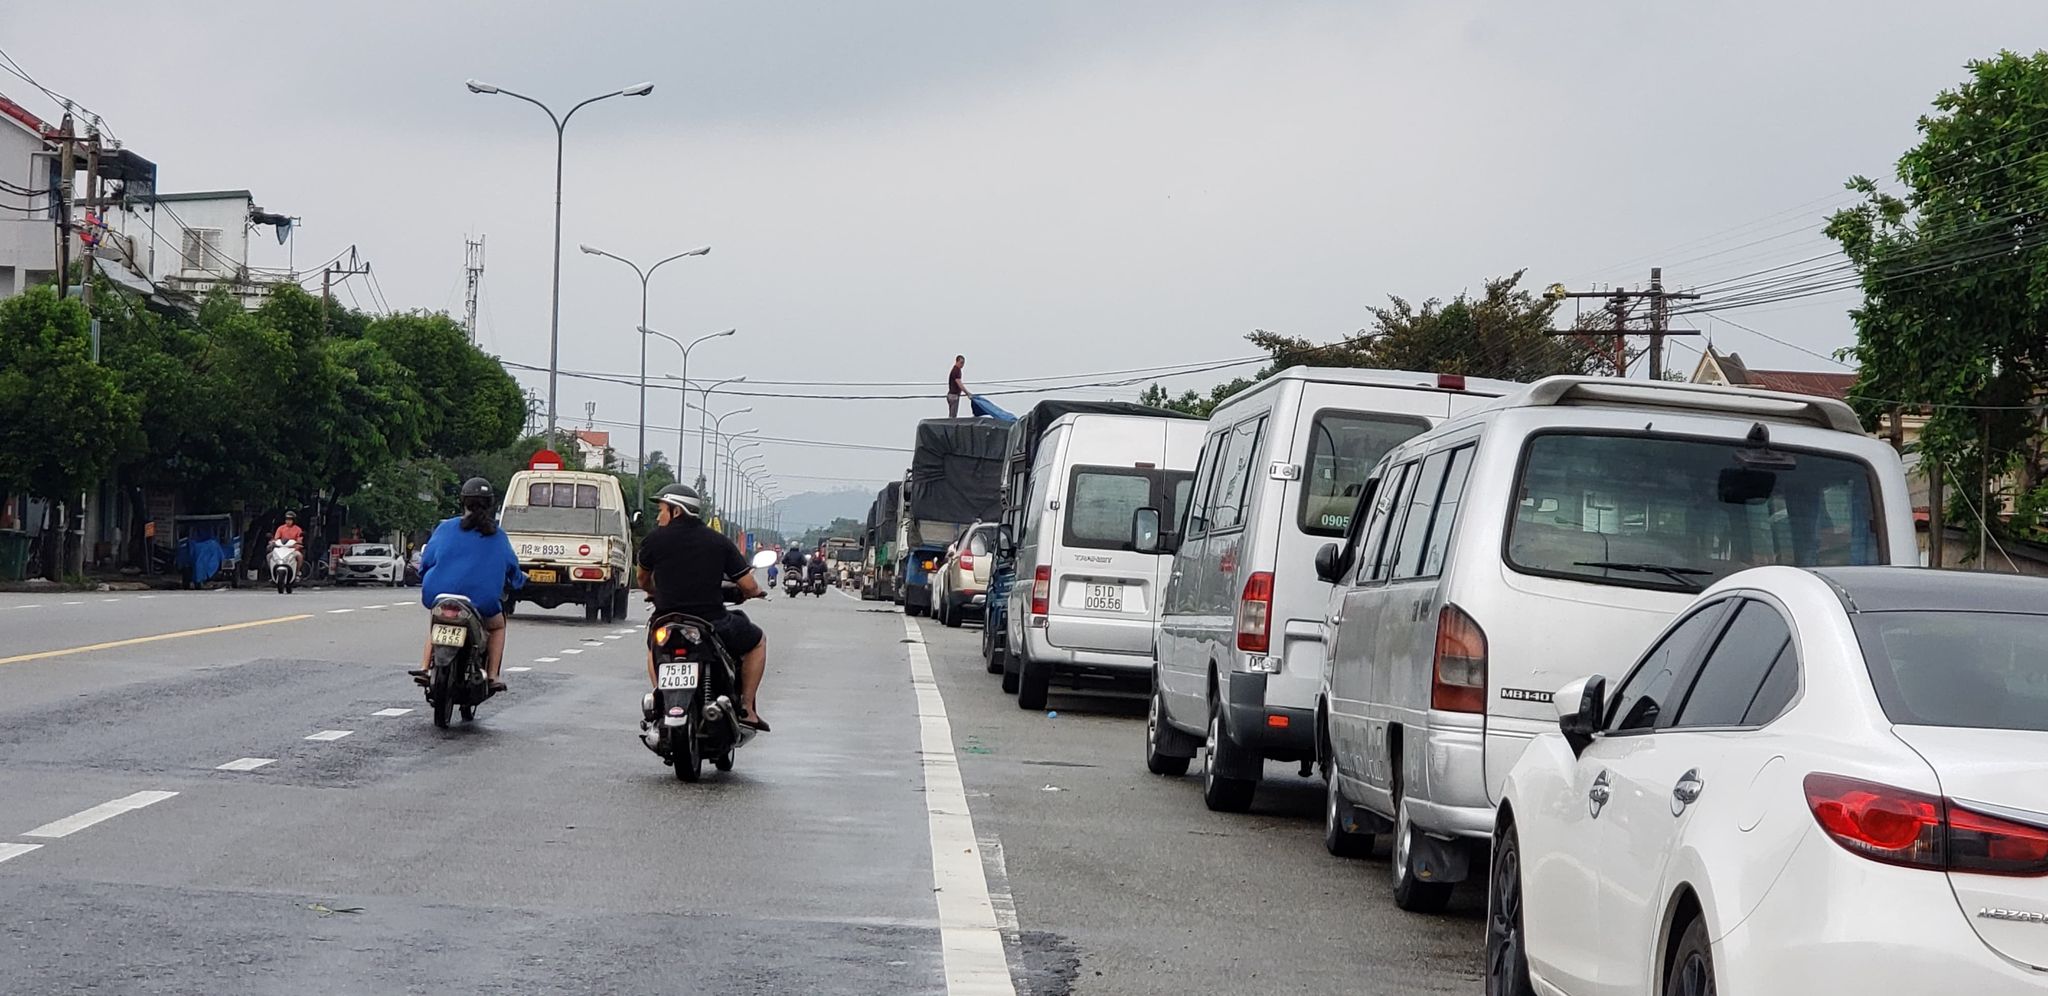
column 956, row 471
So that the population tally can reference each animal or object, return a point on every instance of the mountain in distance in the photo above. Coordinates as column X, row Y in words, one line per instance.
column 819, row 508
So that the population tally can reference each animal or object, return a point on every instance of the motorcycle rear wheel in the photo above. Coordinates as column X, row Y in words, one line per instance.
column 441, row 696
column 689, row 758
column 468, row 713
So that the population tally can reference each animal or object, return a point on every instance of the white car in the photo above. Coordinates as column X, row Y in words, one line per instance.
column 1826, row 781
column 370, row 563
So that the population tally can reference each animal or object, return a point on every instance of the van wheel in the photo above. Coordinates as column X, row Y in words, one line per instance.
column 1034, row 680
column 988, row 651
column 1223, row 795
column 620, row 607
column 1164, row 745
column 1011, row 677
column 1337, row 840
column 590, row 610
column 1411, row 893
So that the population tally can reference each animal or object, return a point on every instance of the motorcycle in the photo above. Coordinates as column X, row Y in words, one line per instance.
column 693, row 712
column 817, row 585
column 792, row 584
column 283, row 565
column 458, row 678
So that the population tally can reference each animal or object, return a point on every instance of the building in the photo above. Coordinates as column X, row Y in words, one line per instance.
column 594, row 446
column 28, row 223
column 198, row 242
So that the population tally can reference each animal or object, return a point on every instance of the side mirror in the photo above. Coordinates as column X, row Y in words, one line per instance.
column 1580, row 707
column 1145, row 530
column 1006, row 541
column 638, row 516
column 765, row 558
column 1330, row 563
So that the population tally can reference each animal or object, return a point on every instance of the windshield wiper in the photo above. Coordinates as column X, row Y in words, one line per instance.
column 1682, row 575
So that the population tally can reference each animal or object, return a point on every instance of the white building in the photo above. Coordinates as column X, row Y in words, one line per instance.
column 28, row 228
column 196, row 242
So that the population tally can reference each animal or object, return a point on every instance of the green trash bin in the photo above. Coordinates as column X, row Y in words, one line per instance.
column 13, row 555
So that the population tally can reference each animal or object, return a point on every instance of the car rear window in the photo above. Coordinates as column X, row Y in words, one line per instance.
column 1101, row 501
column 1680, row 513
column 1343, row 447
column 1979, row 670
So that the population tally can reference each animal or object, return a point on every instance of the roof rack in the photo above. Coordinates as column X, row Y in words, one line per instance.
column 1825, row 413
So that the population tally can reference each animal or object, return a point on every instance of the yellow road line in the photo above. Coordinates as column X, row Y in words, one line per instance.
column 41, row 654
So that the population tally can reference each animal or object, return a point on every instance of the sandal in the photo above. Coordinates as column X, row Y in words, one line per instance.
column 748, row 719
column 497, row 686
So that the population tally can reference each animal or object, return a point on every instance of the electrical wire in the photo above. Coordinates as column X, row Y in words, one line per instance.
column 728, row 391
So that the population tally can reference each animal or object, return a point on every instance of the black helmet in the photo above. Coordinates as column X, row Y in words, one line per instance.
column 476, row 487
column 682, row 498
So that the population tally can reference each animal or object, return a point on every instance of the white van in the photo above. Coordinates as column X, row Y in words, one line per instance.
column 1547, row 536
column 1240, row 657
column 1085, row 600
column 574, row 540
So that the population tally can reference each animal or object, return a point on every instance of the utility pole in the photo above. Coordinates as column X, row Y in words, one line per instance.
column 355, row 267
column 473, row 265
column 1621, row 304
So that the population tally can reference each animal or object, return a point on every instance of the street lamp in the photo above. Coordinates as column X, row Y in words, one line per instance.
column 742, row 479
column 644, row 276
column 734, row 467
column 710, row 473
column 704, row 412
column 685, row 377
column 555, row 306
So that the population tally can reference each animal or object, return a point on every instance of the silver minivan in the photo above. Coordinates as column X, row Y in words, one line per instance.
column 1547, row 536
column 1085, row 599
column 1239, row 636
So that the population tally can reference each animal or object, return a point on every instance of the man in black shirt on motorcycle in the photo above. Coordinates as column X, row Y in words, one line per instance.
column 684, row 567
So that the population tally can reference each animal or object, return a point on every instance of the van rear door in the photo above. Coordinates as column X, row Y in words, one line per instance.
column 1107, row 593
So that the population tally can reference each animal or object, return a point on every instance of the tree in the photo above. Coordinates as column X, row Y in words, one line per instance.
column 471, row 403
column 62, row 416
column 1195, row 402
column 1954, row 273
column 404, row 498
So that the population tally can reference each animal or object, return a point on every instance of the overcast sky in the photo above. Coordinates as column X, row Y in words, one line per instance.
column 1049, row 188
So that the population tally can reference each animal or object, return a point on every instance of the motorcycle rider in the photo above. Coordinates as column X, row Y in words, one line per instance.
column 684, row 567
column 290, row 531
column 470, row 556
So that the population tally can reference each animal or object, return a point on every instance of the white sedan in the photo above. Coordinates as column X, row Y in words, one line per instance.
column 1830, row 781
column 370, row 563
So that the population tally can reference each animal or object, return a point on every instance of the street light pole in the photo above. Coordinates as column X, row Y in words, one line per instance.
column 733, row 468
column 686, row 359
column 704, row 410
column 646, row 275
column 711, row 478
column 555, row 298
column 741, row 480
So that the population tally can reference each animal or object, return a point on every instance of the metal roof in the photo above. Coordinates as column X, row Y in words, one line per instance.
column 1894, row 589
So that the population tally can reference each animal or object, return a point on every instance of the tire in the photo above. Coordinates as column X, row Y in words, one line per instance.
column 590, row 611
column 1411, row 893
column 1157, row 733
column 953, row 613
column 1220, row 794
column 989, row 654
column 1692, row 964
column 279, row 578
column 1338, row 841
column 1034, row 680
column 1507, row 954
column 689, row 759
column 468, row 714
column 438, row 694
column 620, row 604
column 723, row 762
column 1011, row 675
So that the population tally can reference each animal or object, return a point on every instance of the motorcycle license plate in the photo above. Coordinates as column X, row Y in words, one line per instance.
column 542, row 577
column 1104, row 597
column 450, row 636
column 676, row 675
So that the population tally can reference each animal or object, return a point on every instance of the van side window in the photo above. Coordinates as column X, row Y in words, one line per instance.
column 1406, row 553
column 1233, row 478
column 1205, row 474
column 1374, row 532
column 1343, row 447
column 1389, row 512
column 1446, row 512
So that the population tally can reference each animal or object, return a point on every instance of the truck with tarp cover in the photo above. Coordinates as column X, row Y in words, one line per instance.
column 1019, row 455
column 878, row 545
column 956, row 480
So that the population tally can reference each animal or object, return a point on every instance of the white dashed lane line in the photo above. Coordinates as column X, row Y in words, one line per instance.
column 391, row 712
column 547, row 660
column 515, row 670
column 74, row 603
column 569, row 650
column 38, row 605
column 246, row 763
column 98, row 814
column 10, row 851
column 613, row 636
column 330, row 734
column 336, row 612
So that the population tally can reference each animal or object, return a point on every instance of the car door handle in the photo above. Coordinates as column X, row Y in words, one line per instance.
column 1687, row 791
column 1598, row 795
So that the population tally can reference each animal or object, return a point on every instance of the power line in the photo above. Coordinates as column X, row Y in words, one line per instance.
column 1133, row 381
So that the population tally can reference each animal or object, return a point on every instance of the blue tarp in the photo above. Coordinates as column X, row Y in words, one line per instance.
column 200, row 556
column 984, row 408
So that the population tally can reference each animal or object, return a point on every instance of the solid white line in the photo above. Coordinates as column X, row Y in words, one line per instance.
column 336, row 612
column 547, row 660
column 518, row 669
column 246, row 764
column 15, row 850
column 104, row 811
column 969, row 939
column 391, row 712
column 330, row 734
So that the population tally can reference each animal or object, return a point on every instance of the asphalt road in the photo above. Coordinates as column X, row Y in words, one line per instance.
column 542, row 849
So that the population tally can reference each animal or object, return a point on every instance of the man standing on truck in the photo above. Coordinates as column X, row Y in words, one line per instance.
column 954, row 388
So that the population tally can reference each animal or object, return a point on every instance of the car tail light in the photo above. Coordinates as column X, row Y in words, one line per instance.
column 1041, row 589
column 1879, row 822
column 1255, row 614
column 587, row 574
column 1458, row 680
column 967, row 561
column 1451, row 382
column 1989, row 845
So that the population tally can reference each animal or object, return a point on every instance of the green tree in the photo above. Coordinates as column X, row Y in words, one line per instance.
column 1198, row 403
column 1954, row 273
column 470, row 403
column 404, row 498
column 62, row 416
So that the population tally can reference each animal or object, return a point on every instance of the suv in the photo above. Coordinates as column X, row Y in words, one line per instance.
column 960, row 586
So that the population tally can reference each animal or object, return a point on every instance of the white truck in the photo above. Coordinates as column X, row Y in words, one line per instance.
column 574, row 541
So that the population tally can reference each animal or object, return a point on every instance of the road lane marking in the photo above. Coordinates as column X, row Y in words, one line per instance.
column 336, row 612
column 109, row 599
column 98, row 814
column 391, row 712
column 330, row 734
column 515, row 670
column 88, row 648
column 379, row 605
column 37, row 605
column 969, row 939
column 547, row 660
column 8, row 851
column 74, row 603
column 569, row 650
column 400, row 605
column 246, row 763
column 145, row 596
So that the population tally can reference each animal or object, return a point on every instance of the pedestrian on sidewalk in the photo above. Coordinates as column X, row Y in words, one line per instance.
column 954, row 388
